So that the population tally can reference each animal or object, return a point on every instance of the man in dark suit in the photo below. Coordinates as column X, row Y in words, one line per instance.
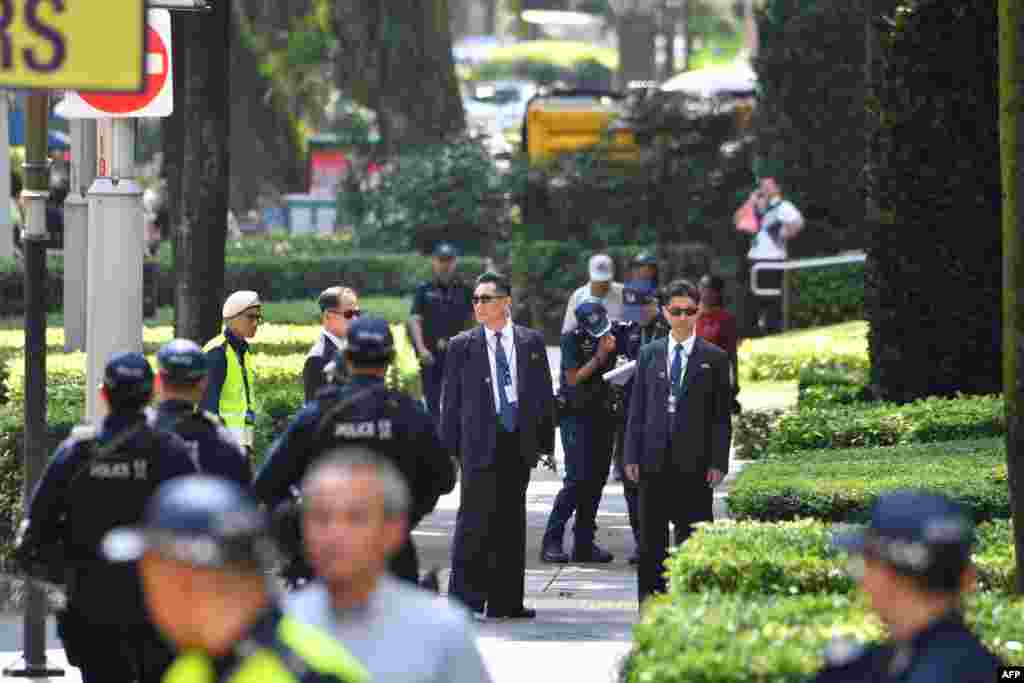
column 678, row 434
column 497, row 414
column 339, row 306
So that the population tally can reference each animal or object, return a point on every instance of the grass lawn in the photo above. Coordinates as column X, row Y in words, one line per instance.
column 843, row 338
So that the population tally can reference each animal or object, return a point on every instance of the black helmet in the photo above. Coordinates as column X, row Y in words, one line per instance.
column 200, row 520
column 182, row 360
column 128, row 379
column 645, row 258
column 370, row 341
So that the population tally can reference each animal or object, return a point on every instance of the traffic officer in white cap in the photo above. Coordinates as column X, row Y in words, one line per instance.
column 231, row 390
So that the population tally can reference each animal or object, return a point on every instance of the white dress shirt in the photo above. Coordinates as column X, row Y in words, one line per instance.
column 508, row 343
column 687, row 345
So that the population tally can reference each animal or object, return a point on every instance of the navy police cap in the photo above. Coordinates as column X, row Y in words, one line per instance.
column 915, row 531
column 128, row 375
column 369, row 338
column 182, row 360
column 200, row 520
column 645, row 258
column 592, row 317
column 445, row 250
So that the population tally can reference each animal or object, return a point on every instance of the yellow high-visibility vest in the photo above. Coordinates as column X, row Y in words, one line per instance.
column 234, row 403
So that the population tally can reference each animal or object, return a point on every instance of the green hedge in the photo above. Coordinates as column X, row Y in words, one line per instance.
column 822, row 296
column 720, row 638
column 782, row 357
column 841, row 485
column 885, row 424
column 290, row 273
column 831, row 384
column 792, row 558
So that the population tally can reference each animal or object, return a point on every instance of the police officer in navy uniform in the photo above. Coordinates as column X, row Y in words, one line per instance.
column 645, row 267
column 589, row 350
column 180, row 386
column 95, row 482
column 643, row 324
column 364, row 411
column 914, row 562
column 441, row 309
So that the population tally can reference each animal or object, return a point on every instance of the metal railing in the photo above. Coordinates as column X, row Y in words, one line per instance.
column 796, row 264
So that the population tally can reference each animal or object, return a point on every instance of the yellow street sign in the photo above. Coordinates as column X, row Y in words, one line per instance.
column 73, row 44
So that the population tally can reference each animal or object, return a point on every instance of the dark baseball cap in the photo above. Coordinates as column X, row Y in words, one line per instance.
column 128, row 377
column 181, row 360
column 592, row 317
column 200, row 520
column 369, row 339
column 445, row 250
column 636, row 294
column 916, row 532
column 645, row 258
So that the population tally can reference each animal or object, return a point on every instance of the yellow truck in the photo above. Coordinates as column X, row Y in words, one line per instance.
column 568, row 121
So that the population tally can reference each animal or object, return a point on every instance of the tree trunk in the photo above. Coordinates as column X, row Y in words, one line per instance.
column 636, row 48
column 172, row 133
column 199, row 252
column 669, row 22
column 687, row 33
column 1012, row 138
column 396, row 59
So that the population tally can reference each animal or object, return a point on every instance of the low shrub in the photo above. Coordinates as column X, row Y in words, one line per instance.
column 841, row 485
column 751, row 432
column 886, row 424
column 822, row 296
column 781, row 357
column 797, row 557
column 831, row 384
column 720, row 638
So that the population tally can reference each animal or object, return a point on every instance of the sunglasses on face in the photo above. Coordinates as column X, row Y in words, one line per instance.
column 349, row 314
column 486, row 298
column 683, row 311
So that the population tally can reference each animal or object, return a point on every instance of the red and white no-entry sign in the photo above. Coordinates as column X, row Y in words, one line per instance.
column 156, row 100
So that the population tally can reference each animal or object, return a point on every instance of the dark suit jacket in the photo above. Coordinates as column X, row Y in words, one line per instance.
column 703, row 427
column 468, row 414
column 322, row 353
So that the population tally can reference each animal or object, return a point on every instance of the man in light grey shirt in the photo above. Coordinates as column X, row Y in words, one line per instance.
column 601, row 286
column 354, row 518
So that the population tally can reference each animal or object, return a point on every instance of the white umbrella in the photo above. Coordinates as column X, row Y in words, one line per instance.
column 737, row 77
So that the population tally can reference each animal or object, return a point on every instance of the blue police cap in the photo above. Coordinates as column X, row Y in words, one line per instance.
column 645, row 258
column 370, row 339
column 914, row 531
column 200, row 520
column 445, row 250
column 592, row 317
column 636, row 294
column 128, row 377
column 181, row 360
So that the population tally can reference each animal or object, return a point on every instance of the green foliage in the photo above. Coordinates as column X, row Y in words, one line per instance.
column 886, row 424
column 841, row 485
column 797, row 557
column 822, row 296
column 752, row 430
column 811, row 118
column 452, row 191
column 933, row 294
column 719, row 638
column 783, row 356
column 829, row 384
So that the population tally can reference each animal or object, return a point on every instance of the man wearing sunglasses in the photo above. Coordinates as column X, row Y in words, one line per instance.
column 231, row 390
column 677, row 434
column 339, row 306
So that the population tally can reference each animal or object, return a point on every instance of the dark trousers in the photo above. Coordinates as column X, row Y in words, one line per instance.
column 630, row 490
column 106, row 653
column 432, row 376
column 768, row 308
column 489, row 550
column 668, row 496
column 587, row 441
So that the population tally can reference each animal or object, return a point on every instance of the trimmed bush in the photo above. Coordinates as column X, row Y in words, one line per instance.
column 794, row 558
column 884, row 424
column 842, row 485
column 719, row 638
column 832, row 384
column 751, row 432
column 781, row 357
column 822, row 296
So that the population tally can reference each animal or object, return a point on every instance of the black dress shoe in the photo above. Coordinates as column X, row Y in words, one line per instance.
column 594, row 554
column 554, row 555
column 521, row 613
